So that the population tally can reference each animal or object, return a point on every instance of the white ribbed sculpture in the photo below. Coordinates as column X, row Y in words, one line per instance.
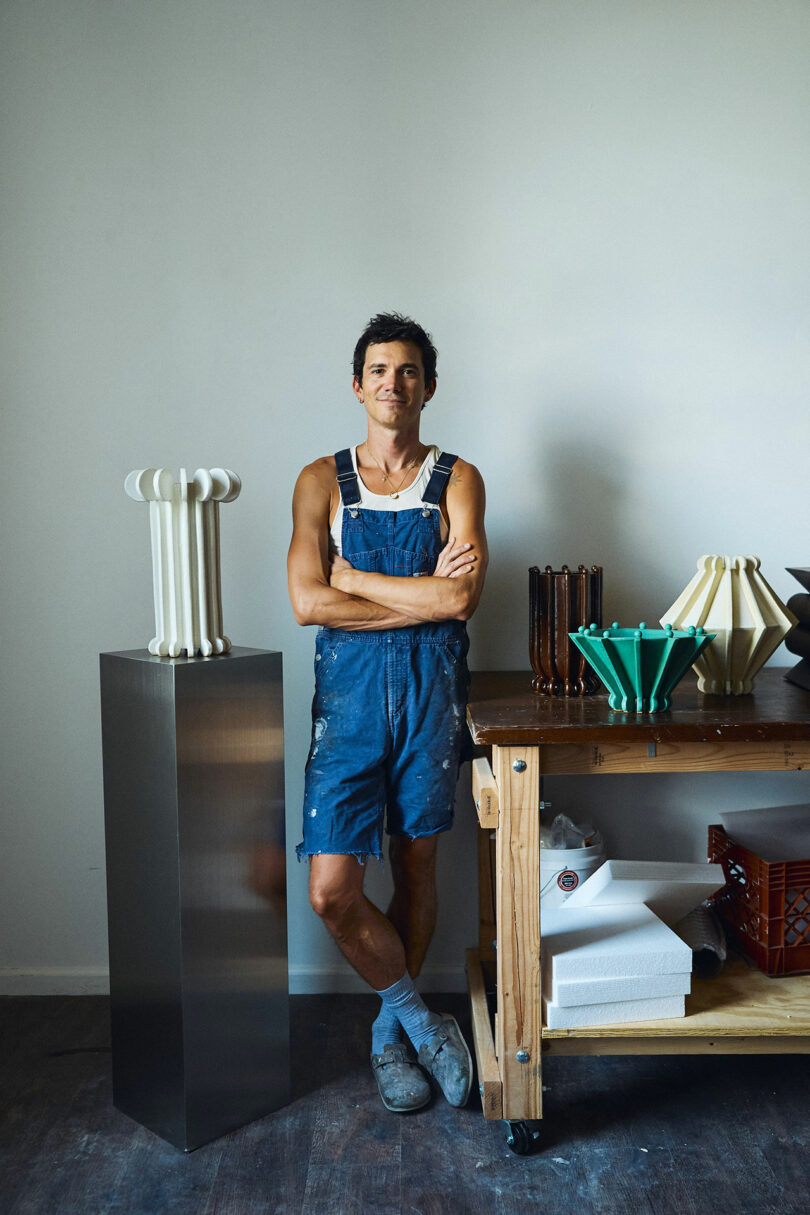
column 729, row 597
column 184, row 524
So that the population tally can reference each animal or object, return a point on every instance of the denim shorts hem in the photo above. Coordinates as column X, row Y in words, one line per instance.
column 304, row 854
column 420, row 835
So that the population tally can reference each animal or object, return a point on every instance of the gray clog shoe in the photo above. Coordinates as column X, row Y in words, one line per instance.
column 402, row 1083
column 447, row 1059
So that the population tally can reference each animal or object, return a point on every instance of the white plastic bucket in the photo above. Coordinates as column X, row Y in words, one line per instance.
column 562, row 870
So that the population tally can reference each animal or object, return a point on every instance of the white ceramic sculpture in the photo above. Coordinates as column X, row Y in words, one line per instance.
column 729, row 597
column 184, row 524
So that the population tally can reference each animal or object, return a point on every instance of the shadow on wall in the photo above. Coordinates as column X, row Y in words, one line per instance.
column 590, row 501
column 570, row 506
column 653, row 818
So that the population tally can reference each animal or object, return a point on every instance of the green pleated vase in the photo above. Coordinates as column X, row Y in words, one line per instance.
column 640, row 667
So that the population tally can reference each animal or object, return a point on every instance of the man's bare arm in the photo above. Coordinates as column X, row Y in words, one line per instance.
column 314, row 600
column 452, row 595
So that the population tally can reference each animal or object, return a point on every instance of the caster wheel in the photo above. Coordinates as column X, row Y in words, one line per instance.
column 520, row 1138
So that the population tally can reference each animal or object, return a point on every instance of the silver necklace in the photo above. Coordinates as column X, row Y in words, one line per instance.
column 395, row 492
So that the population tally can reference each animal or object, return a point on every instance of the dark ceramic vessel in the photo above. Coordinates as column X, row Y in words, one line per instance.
column 559, row 602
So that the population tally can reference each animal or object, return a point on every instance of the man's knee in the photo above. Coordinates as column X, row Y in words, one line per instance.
column 324, row 899
column 331, row 896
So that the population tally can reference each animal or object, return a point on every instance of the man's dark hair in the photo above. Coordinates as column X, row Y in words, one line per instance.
column 393, row 327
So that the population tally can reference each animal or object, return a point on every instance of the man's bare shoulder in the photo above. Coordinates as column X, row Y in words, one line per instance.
column 465, row 474
column 321, row 474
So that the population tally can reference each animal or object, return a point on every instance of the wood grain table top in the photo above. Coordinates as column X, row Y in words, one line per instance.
column 504, row 710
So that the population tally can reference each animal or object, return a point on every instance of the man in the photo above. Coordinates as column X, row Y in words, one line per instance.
column 388, row 556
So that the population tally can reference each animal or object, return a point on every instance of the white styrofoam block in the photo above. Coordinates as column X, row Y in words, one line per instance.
column 670, row 888
column 614, row 1013
column 608, row 942
column 568, row 993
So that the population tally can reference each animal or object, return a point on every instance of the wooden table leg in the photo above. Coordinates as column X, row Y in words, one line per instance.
column 517, row 1029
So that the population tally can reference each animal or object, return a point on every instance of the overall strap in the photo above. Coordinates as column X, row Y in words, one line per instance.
column 439, row 478
column 347, row 478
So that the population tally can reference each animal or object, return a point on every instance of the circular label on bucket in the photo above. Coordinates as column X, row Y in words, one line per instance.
column 568, row 880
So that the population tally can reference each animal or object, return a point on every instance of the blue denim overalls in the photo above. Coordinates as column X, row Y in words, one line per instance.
column 388, row 724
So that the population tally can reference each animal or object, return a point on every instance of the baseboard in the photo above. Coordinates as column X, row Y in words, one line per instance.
column 305, row 980
column 55, row 981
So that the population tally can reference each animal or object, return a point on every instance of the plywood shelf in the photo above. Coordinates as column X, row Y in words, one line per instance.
column 740, row 1011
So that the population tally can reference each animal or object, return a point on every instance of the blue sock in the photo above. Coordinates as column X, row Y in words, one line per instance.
column 403, row 1001
column 385, row 1031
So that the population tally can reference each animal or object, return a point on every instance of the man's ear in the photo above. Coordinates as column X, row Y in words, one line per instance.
column 430, row 389
column 357, row 388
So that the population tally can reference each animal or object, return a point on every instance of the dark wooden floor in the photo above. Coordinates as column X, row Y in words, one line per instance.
column 652, row 1134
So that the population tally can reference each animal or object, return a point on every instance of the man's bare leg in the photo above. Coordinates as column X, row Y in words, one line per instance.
column 379, row 947
column 371, row 943
column 374, row 947
column 365, row 937
column 412, row 909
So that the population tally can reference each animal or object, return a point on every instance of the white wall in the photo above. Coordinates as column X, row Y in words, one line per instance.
column 599, row 209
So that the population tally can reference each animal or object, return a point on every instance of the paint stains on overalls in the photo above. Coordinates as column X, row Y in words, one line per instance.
column 388, row 716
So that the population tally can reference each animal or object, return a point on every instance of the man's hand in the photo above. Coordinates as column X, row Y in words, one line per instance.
column 340, row 573
column 454, row 560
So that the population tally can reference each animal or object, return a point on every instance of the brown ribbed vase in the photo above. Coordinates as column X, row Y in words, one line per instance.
column 559, row 602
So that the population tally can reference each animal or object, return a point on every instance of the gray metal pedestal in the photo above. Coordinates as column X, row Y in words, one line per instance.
column 196, row 890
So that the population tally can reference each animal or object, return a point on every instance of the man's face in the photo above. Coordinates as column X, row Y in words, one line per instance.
column 393, row 388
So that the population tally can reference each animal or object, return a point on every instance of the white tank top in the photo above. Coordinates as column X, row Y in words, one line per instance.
column 406, row 499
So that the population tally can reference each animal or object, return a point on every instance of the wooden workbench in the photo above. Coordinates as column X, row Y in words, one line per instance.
column 530, row 734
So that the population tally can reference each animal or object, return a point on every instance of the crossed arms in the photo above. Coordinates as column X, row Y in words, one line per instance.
column 336, row 595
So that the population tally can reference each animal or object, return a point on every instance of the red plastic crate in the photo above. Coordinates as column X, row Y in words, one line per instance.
column 765, row 906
